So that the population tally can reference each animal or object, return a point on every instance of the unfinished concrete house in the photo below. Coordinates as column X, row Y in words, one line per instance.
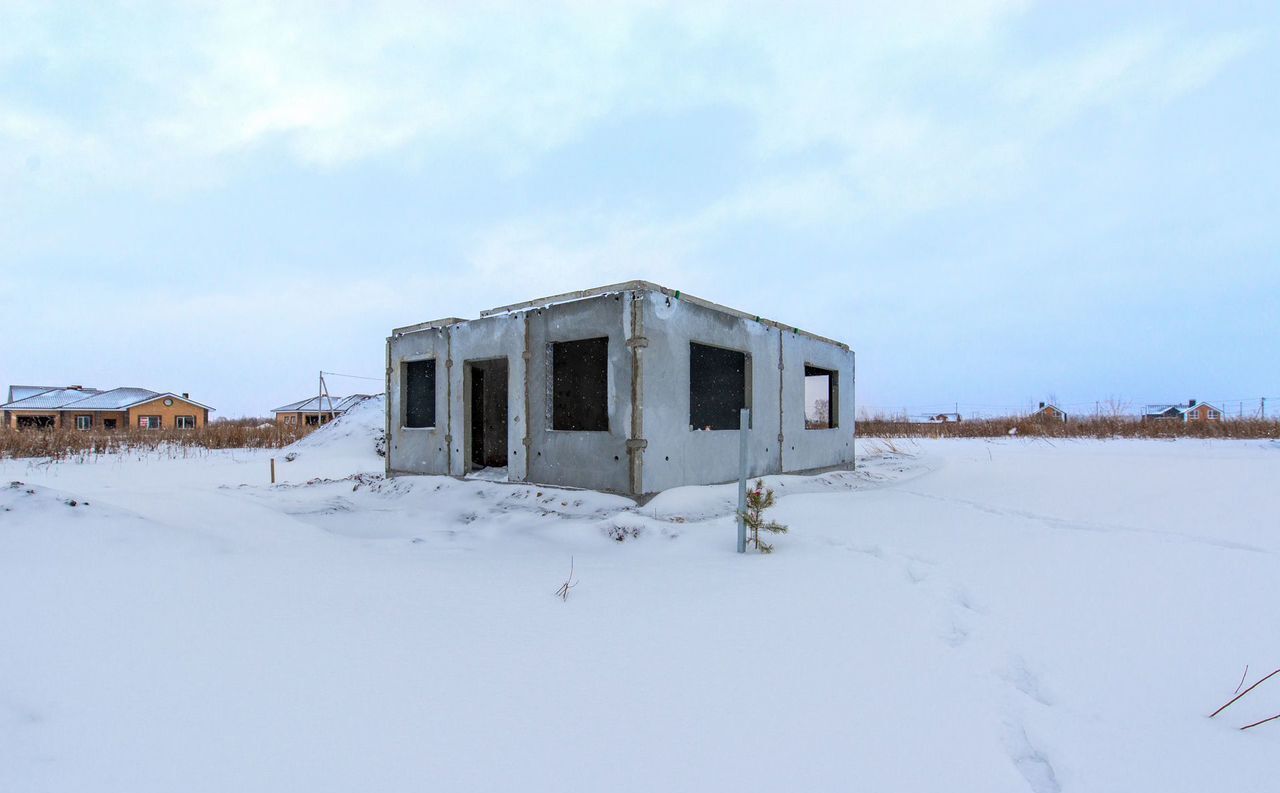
column 631, row 388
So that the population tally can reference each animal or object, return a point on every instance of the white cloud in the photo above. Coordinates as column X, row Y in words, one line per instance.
column 549, row 255
column 1134, row 68
column 558, row 252
column 922, row 105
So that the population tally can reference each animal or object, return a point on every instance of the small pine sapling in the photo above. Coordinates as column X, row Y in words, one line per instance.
column 760, row 498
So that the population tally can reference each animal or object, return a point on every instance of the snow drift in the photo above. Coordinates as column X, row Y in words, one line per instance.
column 967, row 615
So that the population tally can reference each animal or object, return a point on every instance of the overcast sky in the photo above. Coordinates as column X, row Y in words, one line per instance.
column 992, row 202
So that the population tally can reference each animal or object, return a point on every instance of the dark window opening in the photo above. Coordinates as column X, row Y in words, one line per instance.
column 419, row 393
column 108, row 424
column 718, row 387
column 580, row 385
column 820, row 398
column 36, row 422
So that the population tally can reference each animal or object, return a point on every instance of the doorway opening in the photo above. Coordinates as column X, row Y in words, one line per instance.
column 486, row 415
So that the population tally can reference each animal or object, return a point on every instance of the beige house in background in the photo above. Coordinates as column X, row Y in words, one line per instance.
column 315, row 411
column 87, row 409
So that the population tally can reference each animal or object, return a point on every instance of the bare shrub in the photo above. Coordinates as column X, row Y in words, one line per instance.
column 1108, row 424
column 71, row 444
column 619, row 533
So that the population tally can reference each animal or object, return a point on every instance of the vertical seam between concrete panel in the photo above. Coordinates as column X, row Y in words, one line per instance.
column 386, row 468
column 636, row 454
column 527, row 357
column 448, row 399
column 781, row 382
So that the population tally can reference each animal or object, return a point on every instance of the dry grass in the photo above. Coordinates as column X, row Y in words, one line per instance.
column 71, row 444
column 1087, row 427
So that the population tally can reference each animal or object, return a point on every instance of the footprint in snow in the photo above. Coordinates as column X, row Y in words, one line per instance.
column 957, row 635
column 962, row 599
column 1030, row 761
column 1020, row 676
column 915, row 573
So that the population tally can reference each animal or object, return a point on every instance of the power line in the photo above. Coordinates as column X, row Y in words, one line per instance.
column 352, row 376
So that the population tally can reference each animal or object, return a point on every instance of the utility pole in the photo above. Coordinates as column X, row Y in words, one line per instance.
column 321, row 395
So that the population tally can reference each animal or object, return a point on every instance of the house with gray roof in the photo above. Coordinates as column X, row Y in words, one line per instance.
column 316, row 410
column 1194, row 410
column 86, row 409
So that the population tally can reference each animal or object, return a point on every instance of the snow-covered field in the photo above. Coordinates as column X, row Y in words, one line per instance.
column 954, row 616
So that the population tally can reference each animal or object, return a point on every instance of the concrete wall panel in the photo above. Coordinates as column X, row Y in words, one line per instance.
column 805, row 449
column 485, row 339
column 419, row 450
column 592, row 459
column 678, row 454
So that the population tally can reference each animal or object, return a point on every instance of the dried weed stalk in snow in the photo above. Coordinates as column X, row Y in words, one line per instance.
column 1242, row 694
column 569, row 583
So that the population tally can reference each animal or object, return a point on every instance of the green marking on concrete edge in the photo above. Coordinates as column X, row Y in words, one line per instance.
column 677, row 294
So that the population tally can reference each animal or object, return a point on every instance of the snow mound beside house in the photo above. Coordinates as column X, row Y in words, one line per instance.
column 22, row 501
column 41, row 522
column 353, row 443
column 876, row 467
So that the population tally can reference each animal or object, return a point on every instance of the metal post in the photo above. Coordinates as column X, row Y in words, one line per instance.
column 273, row 470
column 744, row 421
